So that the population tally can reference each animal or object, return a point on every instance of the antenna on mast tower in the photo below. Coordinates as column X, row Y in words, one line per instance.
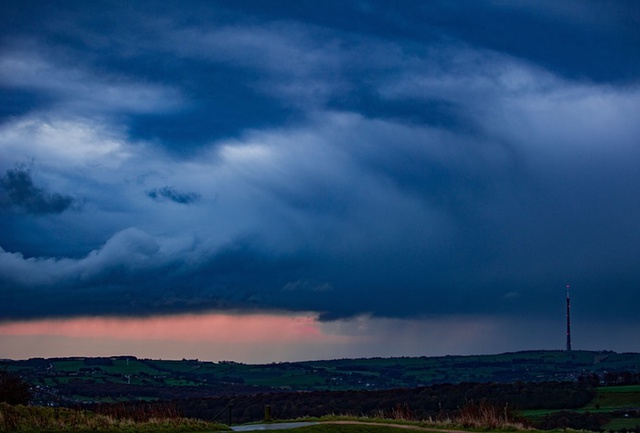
column 568, row 321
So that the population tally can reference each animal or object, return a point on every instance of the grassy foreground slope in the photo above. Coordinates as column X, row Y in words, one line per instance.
column 54, row 420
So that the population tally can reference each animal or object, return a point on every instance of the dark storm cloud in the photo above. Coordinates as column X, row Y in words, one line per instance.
column 419, row 159
column 577, row 39
column 171, row 194
column 191, row 279
column 19, row 192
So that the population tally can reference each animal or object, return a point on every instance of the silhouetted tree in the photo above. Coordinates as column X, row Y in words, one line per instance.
column 13, row 389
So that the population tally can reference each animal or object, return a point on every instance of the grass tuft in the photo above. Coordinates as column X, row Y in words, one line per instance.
column 31, row 419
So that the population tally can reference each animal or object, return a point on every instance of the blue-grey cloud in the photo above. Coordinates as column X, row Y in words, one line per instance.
column 171, row 194
column 350, row 159
column 20, row 193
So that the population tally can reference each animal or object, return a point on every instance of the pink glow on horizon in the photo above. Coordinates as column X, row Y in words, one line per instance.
column 209, row 328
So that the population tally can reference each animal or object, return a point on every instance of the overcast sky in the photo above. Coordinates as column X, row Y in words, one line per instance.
column 431, row 173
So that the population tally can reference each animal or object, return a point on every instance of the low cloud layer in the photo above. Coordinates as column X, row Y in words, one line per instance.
column 355, row 164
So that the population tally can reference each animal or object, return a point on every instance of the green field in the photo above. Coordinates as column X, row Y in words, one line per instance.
column 616, row 397
column 609, row 401
column 619, row 424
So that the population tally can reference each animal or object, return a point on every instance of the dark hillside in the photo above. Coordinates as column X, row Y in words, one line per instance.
column 68, row 381
column 420, row 403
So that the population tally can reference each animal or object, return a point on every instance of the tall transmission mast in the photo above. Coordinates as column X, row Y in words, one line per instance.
column 568, row 321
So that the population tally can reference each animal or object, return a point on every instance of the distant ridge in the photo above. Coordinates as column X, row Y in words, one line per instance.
column 127, row 377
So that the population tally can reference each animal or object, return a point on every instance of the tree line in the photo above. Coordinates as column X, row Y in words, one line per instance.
column 421, row 403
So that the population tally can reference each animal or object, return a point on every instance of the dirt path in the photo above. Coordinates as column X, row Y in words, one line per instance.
column 404, row 426
column 294, row 425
